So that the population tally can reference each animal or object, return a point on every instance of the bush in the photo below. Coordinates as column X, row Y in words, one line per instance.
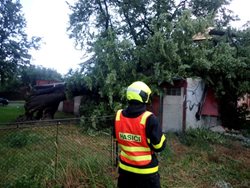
column 37, row 177
column 201, row 137
column 20, row 139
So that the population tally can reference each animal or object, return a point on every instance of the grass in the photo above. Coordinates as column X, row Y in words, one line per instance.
column 9, row 113
column 195, row 162
column 39, row 157
column 62, row 115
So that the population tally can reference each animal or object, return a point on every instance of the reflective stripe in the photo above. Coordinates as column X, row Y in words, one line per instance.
column 148, row 140
column 134, row 149
column 144, row 117
column 118, row 115
column 134, row 90
column 158, row 146
column 139, row 170
column 136, row 158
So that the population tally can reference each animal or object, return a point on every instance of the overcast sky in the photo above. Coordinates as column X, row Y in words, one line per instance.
column 49, row 19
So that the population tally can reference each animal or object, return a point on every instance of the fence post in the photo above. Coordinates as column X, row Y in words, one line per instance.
column 112, row 150
column 56, row 154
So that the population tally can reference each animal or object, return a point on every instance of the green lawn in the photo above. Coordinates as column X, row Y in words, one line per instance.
column 62, row 115
column 54, row 156
column 65, row 156
column 10, row 112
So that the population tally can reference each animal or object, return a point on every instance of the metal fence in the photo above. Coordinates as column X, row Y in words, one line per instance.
column 56, row 154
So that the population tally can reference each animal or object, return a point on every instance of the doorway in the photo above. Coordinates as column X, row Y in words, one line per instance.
column 172, row 118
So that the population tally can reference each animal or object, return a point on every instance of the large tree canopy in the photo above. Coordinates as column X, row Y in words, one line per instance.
column 14, row 43
column 153, row 41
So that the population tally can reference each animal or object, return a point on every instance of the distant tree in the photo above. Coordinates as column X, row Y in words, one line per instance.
column 153, row 41
column 14, row 43
column 30, row 74
column 22, row 83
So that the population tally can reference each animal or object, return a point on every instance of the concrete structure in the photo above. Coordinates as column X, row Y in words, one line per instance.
column 186, row 104
column 71, row 106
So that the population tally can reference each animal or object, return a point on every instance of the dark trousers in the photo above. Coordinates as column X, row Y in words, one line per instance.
column 139, row 181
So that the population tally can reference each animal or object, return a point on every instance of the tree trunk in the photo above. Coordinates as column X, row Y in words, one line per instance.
column 43, row 102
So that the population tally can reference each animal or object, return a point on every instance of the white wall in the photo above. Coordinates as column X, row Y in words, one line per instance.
column 60, row 106
column 77, row 102
column 195, row 88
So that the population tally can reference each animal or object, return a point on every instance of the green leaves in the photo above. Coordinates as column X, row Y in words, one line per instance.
column 153, row 41
column 14, row 44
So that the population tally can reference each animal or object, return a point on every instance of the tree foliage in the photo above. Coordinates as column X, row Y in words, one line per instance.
column 153, row 41
column 14, row 43
column 27, row 77
column 30, row 74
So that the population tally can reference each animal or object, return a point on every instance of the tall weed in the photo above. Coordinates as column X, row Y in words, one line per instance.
column 201, row 138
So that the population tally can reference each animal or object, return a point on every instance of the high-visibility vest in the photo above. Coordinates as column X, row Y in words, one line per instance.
column 131, row 137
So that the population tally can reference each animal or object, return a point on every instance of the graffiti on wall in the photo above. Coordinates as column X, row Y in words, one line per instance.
column 195, row 97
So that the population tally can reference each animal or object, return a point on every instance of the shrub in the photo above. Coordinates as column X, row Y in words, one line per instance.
column 35, row 178
column 17, row 140
column 201, row 137
column 20, row 139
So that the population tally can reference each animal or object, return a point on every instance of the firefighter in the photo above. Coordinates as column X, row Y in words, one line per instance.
column 139, row 136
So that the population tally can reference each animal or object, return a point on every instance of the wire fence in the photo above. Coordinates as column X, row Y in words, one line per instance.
column 48, row 154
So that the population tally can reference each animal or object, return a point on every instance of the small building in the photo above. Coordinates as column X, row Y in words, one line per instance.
column 186, row 104
column 68, row 106
column 46, row 82
column 71, row 106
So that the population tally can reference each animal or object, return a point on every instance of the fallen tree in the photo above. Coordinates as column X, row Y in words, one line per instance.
column 42, row 102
